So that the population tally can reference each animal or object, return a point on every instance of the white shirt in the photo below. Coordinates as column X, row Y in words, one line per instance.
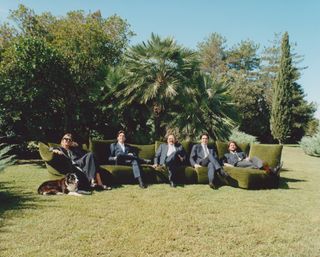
column 171, row 149
column 122, row 147
column 205, row 150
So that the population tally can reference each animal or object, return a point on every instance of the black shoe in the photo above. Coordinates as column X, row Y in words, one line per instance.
column 211, row 185
column 172, row 184
column 141, row 184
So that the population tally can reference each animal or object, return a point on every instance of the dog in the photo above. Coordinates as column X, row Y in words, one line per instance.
column 67, row 185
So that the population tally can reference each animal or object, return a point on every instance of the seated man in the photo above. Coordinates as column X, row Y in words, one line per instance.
column 171, row 155
column 201, row 155
column 240, row 159
column 122, row 154
column 81, row 160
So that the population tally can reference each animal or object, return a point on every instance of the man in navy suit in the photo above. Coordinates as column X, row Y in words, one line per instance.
column 202, row 156
column 170, row 155
column 123, row 154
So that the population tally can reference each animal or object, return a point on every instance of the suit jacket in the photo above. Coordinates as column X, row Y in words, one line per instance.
column 74, row 153
column 233, row 158
column 116, row 150
column 161, row 153
column 197, row 154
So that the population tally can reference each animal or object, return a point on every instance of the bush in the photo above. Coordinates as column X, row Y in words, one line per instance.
column 241, row 137
column 311, row 145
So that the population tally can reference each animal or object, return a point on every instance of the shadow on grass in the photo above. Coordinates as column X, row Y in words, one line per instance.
column 39, row 163
column 283, row 182
column 13, row 199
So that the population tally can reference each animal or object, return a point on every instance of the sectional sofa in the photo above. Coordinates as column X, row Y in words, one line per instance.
column 240, row 177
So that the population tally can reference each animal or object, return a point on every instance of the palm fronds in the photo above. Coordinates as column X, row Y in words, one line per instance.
column 6, row 159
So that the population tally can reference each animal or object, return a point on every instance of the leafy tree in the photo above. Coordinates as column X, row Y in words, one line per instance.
column 239, row 67
column 33, row 82
column 213, row 54
column 281, row 113
column 87, row 46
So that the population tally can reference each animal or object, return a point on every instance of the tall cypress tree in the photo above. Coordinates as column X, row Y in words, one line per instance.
column 281, row 112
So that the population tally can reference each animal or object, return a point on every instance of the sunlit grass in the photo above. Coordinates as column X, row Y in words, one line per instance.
column 161, row 221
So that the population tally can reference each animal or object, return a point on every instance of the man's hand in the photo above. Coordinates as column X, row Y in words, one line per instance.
column 181, row 158
column 74, row 144
column 228, row 165
column 155, row 165
column 197, row 165
column 57, row 151
column 130, row 154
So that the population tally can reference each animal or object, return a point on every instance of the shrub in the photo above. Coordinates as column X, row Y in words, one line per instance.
column 241, row 137
column 311, row 145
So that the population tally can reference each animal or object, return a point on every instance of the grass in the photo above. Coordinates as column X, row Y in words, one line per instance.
column 160, row 221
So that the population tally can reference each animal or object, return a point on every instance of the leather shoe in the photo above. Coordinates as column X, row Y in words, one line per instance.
column 211, row 185
column 141, row 184
column 172, row 184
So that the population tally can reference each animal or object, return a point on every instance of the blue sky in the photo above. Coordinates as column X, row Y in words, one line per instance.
column 191, row 21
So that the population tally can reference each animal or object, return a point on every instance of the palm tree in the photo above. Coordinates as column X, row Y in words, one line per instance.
column 5, row 158
column 208, row 107
column 158, row 73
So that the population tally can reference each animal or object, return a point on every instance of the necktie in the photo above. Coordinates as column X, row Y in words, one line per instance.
column 206, row 151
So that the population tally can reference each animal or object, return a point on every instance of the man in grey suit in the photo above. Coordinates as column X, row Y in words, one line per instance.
column 202, row 156
column 237, row 158
column 123, row 154
column 170, row 155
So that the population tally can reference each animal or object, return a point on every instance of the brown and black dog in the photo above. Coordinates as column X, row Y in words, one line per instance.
column 67, row 185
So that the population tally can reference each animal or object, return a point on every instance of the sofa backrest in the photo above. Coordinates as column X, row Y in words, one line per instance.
column 101, row 150
column 222, row 148
column 270, row 154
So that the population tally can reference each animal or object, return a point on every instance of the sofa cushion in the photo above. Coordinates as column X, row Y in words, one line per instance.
column 271, row 154
column 249, row 178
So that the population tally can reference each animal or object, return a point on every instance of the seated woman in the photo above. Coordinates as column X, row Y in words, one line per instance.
column 81, row 160
column 240, row 159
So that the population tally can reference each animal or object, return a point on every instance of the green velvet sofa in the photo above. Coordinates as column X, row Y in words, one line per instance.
column 240, row 177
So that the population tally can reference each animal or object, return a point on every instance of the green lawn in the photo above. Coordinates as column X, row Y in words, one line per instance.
column 161, row 221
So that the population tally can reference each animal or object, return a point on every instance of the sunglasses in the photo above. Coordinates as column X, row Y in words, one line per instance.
column 67, row 139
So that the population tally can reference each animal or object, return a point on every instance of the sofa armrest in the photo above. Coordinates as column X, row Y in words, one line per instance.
column 45, row 153
column 269, row 153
